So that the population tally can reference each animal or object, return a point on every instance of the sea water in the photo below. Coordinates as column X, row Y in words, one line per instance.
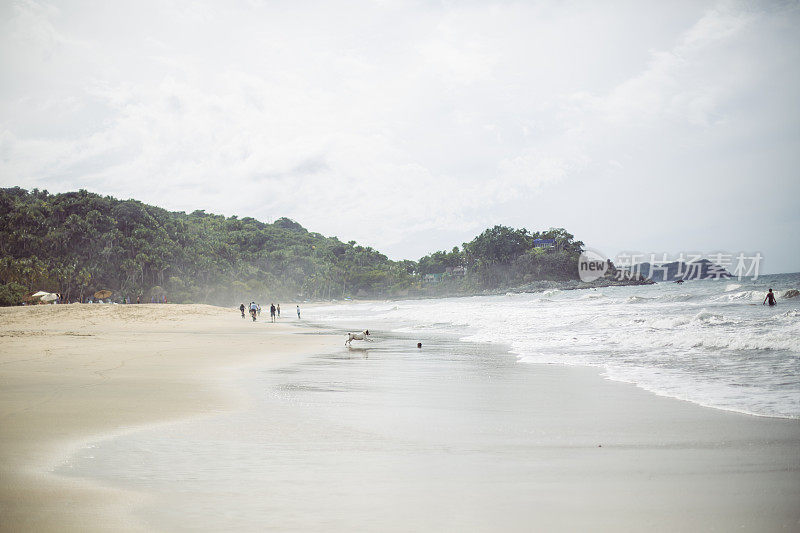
column 711, row 342
column 458, row 436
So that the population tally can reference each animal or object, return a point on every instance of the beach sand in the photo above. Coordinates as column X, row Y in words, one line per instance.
column 589, row 455
column 71, row 374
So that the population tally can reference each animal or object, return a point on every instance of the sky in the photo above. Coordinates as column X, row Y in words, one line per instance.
column 639, row 126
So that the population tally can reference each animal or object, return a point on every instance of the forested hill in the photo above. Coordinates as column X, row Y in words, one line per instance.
column 79, row 242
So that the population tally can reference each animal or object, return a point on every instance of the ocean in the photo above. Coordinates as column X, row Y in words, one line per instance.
column 710, row 342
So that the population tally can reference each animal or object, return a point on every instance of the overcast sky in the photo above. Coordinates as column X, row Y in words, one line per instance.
column 413, row 126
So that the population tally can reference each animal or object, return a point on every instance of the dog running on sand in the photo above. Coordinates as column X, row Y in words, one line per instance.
column 357, row 337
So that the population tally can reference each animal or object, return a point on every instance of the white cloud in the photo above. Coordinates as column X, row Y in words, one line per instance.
column 390, row 122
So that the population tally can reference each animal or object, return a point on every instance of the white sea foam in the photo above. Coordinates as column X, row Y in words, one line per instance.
column 704, row 342
column 591, row 296
column 740, row 296
column 638, row 299
column 677, row 297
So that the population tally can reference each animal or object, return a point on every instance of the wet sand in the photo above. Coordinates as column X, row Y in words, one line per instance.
column 71, row 374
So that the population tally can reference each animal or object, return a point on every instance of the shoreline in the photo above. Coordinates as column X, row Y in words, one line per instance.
column 710, row 344
column 74, row 375
column 747, row 464
column 593, row 431
column 601, row 372
column 600, row 455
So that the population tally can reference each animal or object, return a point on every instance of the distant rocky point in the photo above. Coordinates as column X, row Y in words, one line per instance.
column 613, row 277
column 679, row 270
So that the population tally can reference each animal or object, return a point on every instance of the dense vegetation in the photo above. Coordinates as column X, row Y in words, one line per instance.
column 505, row 257
column 79, row 242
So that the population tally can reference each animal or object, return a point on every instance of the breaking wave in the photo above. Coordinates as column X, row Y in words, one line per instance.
column 704, row 342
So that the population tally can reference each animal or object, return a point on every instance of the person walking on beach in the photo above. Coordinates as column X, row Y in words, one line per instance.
column 770, row 297
column 241, row 308
column 278, row 310
column 272, row 312
column 298, row 312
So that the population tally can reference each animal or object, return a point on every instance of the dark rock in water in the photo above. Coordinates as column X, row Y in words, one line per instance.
column 679, row 270
column 791, row 293
column 615, row 279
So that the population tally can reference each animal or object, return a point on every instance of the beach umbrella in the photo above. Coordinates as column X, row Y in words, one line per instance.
column 39, row 293
column 102, row 294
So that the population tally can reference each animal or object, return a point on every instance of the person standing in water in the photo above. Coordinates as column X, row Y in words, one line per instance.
column 771, row 297
column 298, row 311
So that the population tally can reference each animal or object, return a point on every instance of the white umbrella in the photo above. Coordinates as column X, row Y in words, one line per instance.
column 40, row 293
column 49, row 297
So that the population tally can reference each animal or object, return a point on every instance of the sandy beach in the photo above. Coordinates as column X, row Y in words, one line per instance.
column 72, row 374
column 283, row 428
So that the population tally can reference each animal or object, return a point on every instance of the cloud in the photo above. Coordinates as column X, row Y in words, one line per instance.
column 398, row 123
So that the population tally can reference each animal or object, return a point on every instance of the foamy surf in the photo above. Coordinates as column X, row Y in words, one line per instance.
column 707, row 342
